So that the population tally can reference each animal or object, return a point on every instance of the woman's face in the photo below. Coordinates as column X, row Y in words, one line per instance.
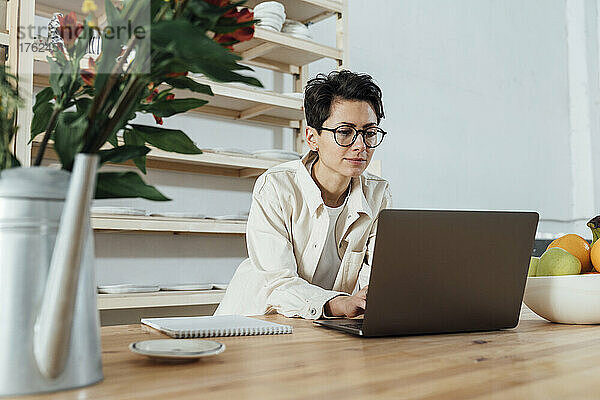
column 346, row 161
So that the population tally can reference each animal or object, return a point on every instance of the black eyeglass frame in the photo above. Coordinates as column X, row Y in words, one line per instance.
column 362, row 132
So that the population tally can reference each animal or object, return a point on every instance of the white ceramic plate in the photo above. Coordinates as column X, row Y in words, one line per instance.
column 231, row 217
column 279, row 17
column 178, row 215
column 297, row 95
column 568, row 299
column 117, row 211
column 229, row 150
column 177, row 349
column 128, row 288
column 270, row 6
column 188, row 286
column 277, row 154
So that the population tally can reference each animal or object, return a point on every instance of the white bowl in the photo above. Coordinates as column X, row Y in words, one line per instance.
column 273, row 6
column 267, row 14
column 568, row 299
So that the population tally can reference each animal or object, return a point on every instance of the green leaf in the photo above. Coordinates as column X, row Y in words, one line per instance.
column 167, row 108
column 166, row 139
column 131, row 139
column 44, row 96
column 114, row 185
column 201, row 54
column 111, row 47
column 183, row 82
column 121, row 154
column 83, row 104
column 68, row 137
column 41, row 117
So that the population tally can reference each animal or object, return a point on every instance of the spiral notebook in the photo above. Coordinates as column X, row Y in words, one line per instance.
column 217, row 325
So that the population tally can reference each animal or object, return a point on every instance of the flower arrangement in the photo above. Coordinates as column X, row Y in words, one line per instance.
column 83, row 109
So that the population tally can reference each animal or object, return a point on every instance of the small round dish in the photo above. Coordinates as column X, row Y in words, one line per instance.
column 177, row 350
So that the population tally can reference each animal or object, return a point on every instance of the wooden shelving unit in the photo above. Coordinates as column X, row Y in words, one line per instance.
column 159, row 299
column 271, row 50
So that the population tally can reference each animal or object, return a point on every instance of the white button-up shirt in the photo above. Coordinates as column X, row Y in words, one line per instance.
column 286, row 231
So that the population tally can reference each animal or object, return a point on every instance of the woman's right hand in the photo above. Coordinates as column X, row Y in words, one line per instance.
column 347, row 306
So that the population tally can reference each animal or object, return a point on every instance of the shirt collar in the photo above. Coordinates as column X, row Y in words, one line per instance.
column 312, row 195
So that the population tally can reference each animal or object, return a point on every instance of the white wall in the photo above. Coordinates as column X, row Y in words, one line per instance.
column 485, row 111
column 478, row 101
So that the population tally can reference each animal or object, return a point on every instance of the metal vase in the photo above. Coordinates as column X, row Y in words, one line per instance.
column 49, row 321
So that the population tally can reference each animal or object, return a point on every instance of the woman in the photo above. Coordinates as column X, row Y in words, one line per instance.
column 312, row 223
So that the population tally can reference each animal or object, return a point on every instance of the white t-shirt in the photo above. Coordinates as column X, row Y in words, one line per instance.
column 330, row 261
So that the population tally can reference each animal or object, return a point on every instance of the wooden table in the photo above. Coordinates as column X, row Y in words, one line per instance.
column 536, row 360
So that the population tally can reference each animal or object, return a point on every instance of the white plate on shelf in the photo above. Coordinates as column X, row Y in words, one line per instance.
column 117, row 211
column 231, row 217
column 188, row 286
column 127, row 288
column 177, row 214
column 177, row 350
column 234, row 150
column 296, row 95
column 277, row 154
column 273, row 6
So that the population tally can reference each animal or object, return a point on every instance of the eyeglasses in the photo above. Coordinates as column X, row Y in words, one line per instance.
column 346, row 135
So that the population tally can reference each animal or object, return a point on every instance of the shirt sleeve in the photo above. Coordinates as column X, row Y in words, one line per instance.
column 271, row 251
column 365, row 271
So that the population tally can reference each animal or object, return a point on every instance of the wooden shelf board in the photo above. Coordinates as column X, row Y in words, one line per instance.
column 210, row 163
column 306, row 10
column 138, row 224
column 159, row 299
column 274, row 49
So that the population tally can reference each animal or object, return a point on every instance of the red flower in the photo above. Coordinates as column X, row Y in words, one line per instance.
column 89, row 75
column 152, row 95
column 176, row 74
column 69, row 29
column 239, row 35
column 244, row 15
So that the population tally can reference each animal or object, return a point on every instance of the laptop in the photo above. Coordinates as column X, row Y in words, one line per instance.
column 444, row 272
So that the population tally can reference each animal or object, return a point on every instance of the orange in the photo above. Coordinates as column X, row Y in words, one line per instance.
column 595, row 255
column 577, row 246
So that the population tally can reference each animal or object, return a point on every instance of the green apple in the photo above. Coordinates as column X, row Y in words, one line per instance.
column 556, row 261
column 533, row 265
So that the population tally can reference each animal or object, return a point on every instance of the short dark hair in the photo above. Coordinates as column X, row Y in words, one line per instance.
column 323, row 90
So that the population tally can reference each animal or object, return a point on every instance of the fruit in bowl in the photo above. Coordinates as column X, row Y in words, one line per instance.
column 562, row 286
column 557, row 261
